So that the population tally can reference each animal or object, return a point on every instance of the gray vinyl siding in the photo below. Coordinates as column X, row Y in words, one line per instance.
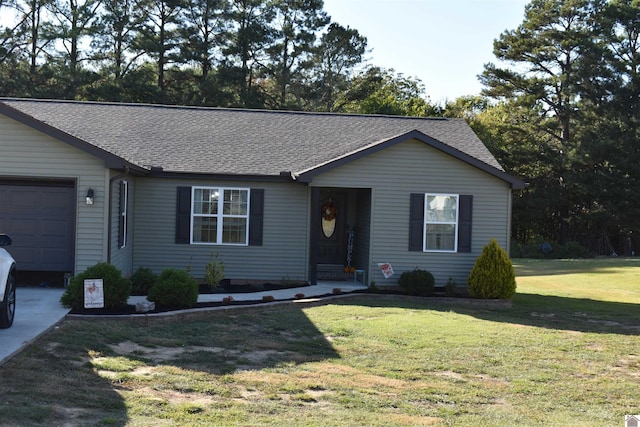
column 284, row 250
column 26, row 153
column 122, row 258
column 413, row 167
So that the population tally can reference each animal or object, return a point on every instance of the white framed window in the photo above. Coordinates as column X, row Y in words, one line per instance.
column 220, row 216
column 441, row 222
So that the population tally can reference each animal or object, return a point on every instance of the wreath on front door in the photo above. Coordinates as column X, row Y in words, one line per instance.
column 329, row 211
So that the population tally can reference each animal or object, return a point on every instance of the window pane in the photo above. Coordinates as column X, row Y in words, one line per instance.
column 235, row 202
column 440, row 237
column 205, row 201
column 234, row 230
column 442, row 208
column 205, row 229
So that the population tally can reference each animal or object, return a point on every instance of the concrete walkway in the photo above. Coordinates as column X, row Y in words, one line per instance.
column 322, row 288
column 38, row 310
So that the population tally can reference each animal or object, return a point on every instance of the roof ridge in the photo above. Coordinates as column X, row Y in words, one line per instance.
column 230, row 109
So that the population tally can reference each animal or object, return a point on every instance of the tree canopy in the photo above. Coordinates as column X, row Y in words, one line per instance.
column 274, row 54
column 565, row 117
column 560, row 106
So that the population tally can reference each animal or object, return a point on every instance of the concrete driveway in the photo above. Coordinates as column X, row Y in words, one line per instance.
column 38, row 310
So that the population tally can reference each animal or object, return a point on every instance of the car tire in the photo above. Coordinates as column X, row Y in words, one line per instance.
column 8, row 306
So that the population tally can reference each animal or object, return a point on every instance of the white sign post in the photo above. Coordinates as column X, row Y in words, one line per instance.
column 93, row 293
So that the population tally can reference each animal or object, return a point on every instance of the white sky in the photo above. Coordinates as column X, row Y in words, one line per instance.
column 444, row 43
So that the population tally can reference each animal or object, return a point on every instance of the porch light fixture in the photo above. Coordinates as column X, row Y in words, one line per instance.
column 90, row 196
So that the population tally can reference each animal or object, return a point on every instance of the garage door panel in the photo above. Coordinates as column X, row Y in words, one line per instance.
column 52, row 257
column 41, row 221
column 23, row 202
column 58, row 201
column 58, row 229
column 24, row 256
column 25, row 228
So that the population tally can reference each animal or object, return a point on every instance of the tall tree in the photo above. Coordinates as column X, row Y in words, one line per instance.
column 75, row 23
column 545, row 50
column 340, row 52
column 249, row 35
column 158, row 35
column 295, row 27
column 113, row 42
column 204, row 31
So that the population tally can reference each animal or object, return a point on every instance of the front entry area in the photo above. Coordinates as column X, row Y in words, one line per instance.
column 333, row 228
column 340, row 232
column 40, row 218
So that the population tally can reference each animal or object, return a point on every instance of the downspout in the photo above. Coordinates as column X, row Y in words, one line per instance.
column 110, row 213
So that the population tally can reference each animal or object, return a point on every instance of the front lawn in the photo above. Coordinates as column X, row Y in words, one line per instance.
column 567, row 351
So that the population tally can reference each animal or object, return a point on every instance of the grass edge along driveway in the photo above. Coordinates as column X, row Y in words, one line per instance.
column 567, row 351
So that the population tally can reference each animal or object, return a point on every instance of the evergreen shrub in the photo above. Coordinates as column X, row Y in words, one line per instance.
column 417, row 282
column 116, row 288
column 142, row 280
column 174, row 288
column 492, row 275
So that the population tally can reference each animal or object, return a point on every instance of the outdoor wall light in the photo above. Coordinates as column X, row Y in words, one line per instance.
column 90, row 196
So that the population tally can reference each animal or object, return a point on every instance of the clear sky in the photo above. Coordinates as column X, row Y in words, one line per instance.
column 444, row 43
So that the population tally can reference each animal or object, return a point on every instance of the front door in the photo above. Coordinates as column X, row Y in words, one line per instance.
column 332, row 224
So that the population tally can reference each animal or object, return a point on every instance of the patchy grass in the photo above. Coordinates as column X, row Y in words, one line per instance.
column 568, row 350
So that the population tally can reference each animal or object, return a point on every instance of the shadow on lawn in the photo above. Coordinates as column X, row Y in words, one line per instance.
column 255, row 338
column 76, row 375
column 42, row 386
column 543, row 311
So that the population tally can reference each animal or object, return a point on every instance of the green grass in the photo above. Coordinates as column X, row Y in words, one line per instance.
column 568, row 350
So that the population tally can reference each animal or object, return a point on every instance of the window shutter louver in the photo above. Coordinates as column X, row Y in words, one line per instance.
column 183, row 216
column 256, row 217
column 416, row 222
column 122, row 221
column 464, row 222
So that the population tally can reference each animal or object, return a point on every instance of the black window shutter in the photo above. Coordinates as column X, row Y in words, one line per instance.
column 464, row 223
column 183, row 216
column 256, row 217
column 416, row 222
column 123, row 210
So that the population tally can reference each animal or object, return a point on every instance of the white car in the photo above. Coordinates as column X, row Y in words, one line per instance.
column 7, row 284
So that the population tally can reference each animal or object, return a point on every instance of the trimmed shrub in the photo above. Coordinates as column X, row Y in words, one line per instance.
column 174, row 288
column 142, row 280
column 417, row 282
column 492, row 275
column 116, row 288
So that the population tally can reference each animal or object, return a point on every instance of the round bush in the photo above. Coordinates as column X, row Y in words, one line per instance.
column 417, row 282
column 174, row 288
column 142, row 280
column 492, row 276
column 116, row 288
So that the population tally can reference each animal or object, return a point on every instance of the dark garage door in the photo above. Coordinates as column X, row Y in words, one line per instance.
column 39, row 217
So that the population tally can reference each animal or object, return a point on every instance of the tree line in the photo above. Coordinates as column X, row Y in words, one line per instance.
column 565, row 116
column 560, row 107
column 273, row 54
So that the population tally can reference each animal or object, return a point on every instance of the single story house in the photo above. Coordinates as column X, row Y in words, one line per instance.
column 277, row 195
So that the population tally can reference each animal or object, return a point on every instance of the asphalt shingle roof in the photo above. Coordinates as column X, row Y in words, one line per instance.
column 232, row 141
